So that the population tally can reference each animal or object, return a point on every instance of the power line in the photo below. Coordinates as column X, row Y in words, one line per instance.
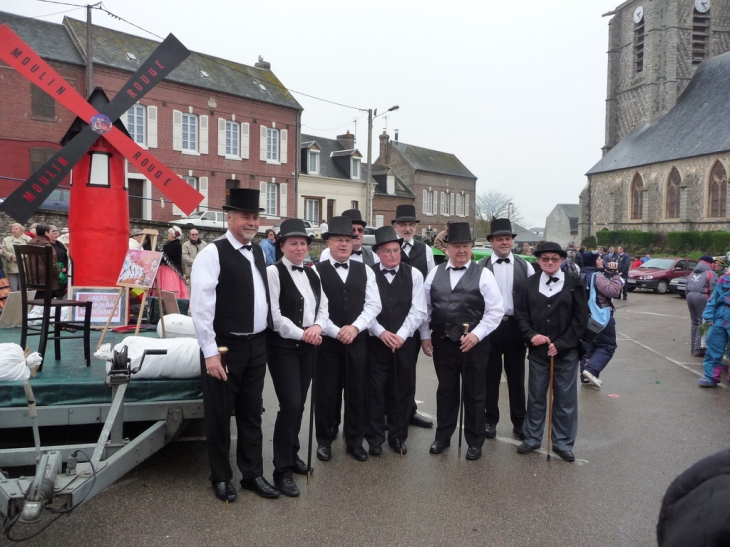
column 18, row 17
column 69, row 4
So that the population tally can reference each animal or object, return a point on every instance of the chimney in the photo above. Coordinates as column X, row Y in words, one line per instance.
column 383, row 159
column 263, row 64
column 347, row 140
column 396, row 135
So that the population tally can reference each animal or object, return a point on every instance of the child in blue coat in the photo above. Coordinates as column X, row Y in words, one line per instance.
column 717, row 314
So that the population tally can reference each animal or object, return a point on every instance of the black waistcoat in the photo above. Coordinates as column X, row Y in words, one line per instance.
column 346, row 300
column 396, row 296
column 234, row 294
column 451, row 308
column 291, row 301
column 417, row 257
column 519, row 272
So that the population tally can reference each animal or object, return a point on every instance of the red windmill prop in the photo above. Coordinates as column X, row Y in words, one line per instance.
column 101, row 134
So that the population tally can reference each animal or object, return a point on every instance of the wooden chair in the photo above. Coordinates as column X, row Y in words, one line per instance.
column 35, row 268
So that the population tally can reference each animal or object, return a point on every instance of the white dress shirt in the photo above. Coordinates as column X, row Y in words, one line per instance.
column 283, row 325
column 553, row 288
column 493, row 305
column 504, row 274
column 416, row 315
column 408, row 245
column 372, row 306
column 203, row 282
column 356, row 257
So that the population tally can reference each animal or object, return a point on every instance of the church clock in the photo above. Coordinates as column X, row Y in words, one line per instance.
column 703, row 6
column 639, row 14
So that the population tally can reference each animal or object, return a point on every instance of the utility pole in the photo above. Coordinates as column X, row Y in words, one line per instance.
column 89, row 55
column 368, row 201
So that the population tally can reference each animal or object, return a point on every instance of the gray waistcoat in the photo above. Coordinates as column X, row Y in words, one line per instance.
column 450, row 309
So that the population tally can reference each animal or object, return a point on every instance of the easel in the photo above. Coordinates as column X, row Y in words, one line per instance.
column 124, row 290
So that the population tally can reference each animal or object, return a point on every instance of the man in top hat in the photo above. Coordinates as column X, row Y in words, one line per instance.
column 505, row 343
column 353, row 298
column 299, row 315
column 360, row 253
column 230, row 308
column 392, row 348
column 460, row 292
column 420, row 256
column 552, row 312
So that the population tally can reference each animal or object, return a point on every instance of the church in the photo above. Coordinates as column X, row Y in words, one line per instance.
column 666, row 156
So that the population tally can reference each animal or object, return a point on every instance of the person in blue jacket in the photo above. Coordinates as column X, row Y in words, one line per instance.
column 268, row 245
column 717, row 315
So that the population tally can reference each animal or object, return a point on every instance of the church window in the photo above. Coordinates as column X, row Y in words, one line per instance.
column 672, row 196
column 637, row 197
column 639, row 46
column 717, row 192
column 700, row 35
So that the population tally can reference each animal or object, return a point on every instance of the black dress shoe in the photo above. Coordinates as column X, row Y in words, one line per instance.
column 567, row 455
column 287, row 487
column 299, row 467
column 525, row 448
column 375, row 450
column 397, row 445
column 358, row 453
column 420, row 421
column 491, row 430
column 261, row 486
column 324, row 453
column 517, row 432
column 438, row 447
column 224, row 491
column 473, row 453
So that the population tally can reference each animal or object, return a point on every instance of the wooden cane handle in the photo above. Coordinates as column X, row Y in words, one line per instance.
column 466, row 329
column 222, row 350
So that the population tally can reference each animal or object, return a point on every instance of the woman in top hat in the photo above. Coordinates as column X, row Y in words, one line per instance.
column 299, row 315
column 552, row 312
column 230, row 308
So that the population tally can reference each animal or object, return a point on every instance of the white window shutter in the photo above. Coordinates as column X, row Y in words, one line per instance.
column 176, row 130
column 466, row 205
column 152, row 127
column 203, row 189
column 203, row 134
column 244, row 140
column 424, row 206
column 452, row 209
column 262, row 196
column 221, row 137
column 283, row 145
column 444, row 197
column 282, row 199
column 435, row 204
column 262, row 143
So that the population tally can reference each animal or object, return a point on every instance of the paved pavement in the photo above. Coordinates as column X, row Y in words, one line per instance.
column 630, row 447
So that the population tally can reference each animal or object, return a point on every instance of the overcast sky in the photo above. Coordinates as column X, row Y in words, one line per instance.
column 516, row 89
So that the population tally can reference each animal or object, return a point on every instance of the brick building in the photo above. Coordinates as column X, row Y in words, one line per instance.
column 216, row 123
column 443, row 187
column 390, row 192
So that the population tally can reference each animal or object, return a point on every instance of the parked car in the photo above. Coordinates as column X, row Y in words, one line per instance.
column 307, row 226
column 369, row 237
column 204, row 219
column 678, row 285
column 58, row 200
column 477, row 254
column 657, row 273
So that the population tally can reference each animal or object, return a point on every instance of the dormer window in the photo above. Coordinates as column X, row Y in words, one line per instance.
column 355, row 168
column 313, row 162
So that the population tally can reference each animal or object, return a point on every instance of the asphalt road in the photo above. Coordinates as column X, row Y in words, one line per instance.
column 647, row 424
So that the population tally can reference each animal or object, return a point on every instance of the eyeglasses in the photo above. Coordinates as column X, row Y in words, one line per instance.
column 547, row 259
column 359, row 230
column 392, row 252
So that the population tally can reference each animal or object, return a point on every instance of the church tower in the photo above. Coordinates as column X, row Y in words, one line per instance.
column 654, row 48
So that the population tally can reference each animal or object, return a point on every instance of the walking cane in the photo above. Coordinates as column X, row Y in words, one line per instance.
column 311, row 419
column 223, row 350
column 461, row 402
column 397, row 404
column 550, row 408
column 347, row 399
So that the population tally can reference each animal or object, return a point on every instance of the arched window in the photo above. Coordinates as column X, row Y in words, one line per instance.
column 717, row 192
column 637, row 197
column 672, row 195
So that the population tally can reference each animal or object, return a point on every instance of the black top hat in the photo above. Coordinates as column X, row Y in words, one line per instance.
column 293, row 227
column 405, row 213
column 550, row 247
column 459, row 232
column 385, row 234
column 244, row 199
column 338, row 226
column 500, row 227
column 355, row 215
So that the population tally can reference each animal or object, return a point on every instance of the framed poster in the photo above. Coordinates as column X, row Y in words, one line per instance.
column 139, row 269
column 103, row 300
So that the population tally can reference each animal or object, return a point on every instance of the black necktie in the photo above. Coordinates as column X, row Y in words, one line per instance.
column 356, row 253
column 552, row 280
column 342, row 265
column 459, row 268
column 391, row 272
column 500, row 260
column 247, row 247
column 297, row 268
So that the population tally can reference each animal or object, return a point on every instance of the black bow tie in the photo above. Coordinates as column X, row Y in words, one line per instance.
column 356, row 252
column 342, row 265
column 459, row 268
column 500, row 260
column 406, row 244
column 247, row 247
column 391, row 272
column 552, row 280
column 297, row 268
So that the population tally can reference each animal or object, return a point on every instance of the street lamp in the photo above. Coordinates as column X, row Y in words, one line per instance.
column 368, row 202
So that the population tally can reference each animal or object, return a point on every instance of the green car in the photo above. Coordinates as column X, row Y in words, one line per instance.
column 477, row 254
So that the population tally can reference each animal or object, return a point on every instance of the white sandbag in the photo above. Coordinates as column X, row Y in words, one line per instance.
column 14, row 366
column 35, row 315
column 177, row 326
column 182, row 359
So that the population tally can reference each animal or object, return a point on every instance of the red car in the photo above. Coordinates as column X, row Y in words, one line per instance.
column 655, row 274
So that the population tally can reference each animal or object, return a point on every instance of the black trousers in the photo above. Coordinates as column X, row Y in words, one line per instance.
column 340, row 365
column 246, row 362
column 384, row 398
column 291, row 372
column 451, row 363
column 506, row 345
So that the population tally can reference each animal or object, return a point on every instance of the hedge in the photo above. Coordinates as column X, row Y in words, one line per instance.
column 672, row 242
column 631, row 239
